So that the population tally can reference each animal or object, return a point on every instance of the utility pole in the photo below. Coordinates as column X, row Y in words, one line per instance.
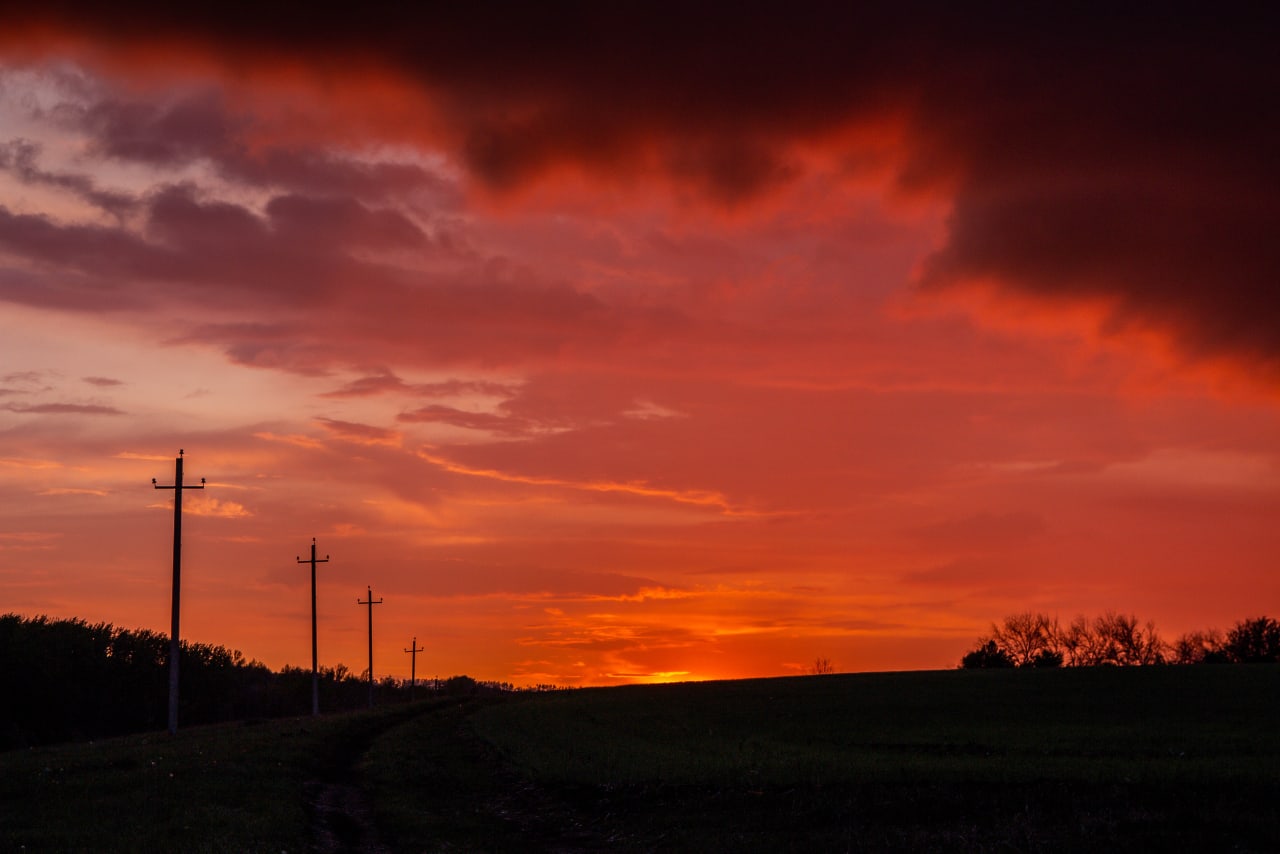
column 413, row 649
column 370, row 603
column 177, row 585
column 315, row 669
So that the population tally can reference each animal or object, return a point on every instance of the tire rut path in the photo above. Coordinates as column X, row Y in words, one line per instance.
column 341, row 812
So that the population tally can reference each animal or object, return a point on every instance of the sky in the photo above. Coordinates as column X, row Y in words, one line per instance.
column 614, row 343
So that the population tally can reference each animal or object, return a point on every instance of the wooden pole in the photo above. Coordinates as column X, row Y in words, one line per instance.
column 315, row 660
column 413, row 650
column 370, row 603
column 174, row 643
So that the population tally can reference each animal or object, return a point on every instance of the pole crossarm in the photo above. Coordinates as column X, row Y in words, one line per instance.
column 370, row 602
column 174, row 645
column 315, row 668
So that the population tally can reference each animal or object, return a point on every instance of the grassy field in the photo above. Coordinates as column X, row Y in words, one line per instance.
column 234, row 787
column 1162, row 758
column 1146, row 759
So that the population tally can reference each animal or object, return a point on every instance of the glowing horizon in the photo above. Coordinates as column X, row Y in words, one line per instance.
column 603, row 365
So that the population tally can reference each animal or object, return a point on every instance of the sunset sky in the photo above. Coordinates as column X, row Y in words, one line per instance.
column 634, row 342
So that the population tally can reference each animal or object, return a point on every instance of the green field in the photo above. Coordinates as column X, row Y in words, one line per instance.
column 1161, row 758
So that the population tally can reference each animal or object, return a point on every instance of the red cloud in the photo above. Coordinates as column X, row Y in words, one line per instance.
column 1088, row 154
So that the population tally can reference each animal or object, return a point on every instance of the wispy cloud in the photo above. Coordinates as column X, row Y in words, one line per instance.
column 62, row 409
column 361, row 434
column 700, row 498
column 28, row 541
column 29, row 463
column 296, row 439
column 200, row 505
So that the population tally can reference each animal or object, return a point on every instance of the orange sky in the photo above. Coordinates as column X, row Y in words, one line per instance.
column 607, row 346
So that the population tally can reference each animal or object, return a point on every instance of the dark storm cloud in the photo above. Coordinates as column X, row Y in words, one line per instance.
column 190, row 128
column 88, row 258
column 217, row 252
column 201, row 247
column 1122, row 152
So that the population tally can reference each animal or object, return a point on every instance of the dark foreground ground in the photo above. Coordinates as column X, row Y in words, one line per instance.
column 1153, row 759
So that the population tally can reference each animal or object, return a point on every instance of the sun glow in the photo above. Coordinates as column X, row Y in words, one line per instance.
column 602, row 370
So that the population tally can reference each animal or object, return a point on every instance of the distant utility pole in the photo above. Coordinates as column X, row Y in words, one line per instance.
column 177, row 585
column 413, row 649
column 370, row 603
column 315, row 669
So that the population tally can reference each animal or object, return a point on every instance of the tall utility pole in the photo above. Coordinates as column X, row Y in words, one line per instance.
column 177, row 585
column 413, row 649
column 315, row 669
column 370, row 603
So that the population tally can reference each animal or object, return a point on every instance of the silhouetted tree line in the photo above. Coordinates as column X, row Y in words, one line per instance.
column 68, row 680
column 1036, row 640
column 465, row 686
